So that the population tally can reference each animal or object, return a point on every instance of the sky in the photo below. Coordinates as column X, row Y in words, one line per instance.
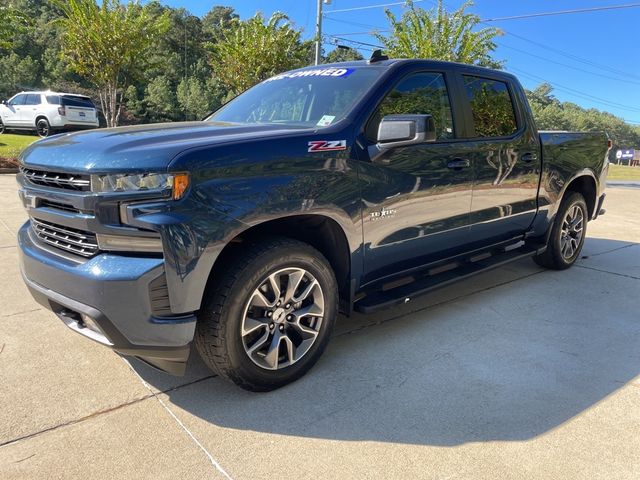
column 592, row 59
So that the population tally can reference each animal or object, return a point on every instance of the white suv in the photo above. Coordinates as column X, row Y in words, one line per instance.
column 46, row 112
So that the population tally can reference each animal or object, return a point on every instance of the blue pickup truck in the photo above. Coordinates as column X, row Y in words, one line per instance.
column 347, row 187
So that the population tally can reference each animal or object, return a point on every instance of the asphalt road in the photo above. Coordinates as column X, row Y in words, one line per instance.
column 517, row 373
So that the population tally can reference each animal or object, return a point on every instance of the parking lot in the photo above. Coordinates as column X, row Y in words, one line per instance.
column 517, row 373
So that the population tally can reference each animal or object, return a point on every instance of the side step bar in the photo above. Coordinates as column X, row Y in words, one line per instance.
column 382, row 299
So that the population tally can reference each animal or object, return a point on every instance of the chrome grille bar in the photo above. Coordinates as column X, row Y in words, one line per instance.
column 65, row 238
column 57, row 180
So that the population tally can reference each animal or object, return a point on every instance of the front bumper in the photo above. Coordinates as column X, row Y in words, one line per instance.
column 113, row 291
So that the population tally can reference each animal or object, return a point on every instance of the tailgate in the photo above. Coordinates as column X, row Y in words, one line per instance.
column 81, row 114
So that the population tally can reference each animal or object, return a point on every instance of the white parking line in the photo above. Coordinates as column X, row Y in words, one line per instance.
column 213, row 461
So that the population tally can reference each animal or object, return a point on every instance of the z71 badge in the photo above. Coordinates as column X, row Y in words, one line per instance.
column 327, row 145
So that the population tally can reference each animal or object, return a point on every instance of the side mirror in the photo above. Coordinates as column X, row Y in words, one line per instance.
column 403, row 130
column 4, row 102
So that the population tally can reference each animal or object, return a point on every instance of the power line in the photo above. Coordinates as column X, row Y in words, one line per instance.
column 370, row 6
column 568, row 66
column 564, row 12
column 355, row 41
column 578, row 93
column 572, row 56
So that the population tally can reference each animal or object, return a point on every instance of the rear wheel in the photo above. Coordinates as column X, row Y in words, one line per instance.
column 567, row 234
column 43, row 128
column 266, row 322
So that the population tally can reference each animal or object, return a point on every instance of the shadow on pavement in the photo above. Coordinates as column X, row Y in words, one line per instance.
column 507, row 363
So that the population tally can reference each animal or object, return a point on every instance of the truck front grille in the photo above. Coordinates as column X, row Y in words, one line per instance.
column 67, row 181
column 66, row 238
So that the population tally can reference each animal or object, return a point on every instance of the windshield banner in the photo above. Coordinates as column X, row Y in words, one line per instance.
column 316, row 72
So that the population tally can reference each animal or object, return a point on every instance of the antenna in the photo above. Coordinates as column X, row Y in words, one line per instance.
column 377, row 56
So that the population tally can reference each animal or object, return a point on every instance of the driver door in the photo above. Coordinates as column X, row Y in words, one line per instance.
column 416, row 198
column 12, row 110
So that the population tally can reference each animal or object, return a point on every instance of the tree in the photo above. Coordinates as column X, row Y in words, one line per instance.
column 109, row 45
column 217, row 21
column 342, row 55
column 440, row 35
column 253, row 50
column 12, row 21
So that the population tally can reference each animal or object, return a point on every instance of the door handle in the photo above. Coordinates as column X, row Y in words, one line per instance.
column 458, row 164
column 529, row 157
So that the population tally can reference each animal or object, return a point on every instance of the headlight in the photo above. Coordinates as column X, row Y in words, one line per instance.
column 176, row 183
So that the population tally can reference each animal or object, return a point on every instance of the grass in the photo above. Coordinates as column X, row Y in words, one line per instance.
column 11, row 145
column 623, row 172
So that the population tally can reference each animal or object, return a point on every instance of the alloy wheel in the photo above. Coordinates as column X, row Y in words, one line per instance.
column 282, row 318
column 572, row 231
column 42, row 127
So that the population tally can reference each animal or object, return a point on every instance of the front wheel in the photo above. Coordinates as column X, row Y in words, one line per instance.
column 567, row 235
column 1, row 127
column 43, row 128
column 266, row 322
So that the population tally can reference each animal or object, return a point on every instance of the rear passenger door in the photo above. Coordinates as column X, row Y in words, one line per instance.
column 505, row 158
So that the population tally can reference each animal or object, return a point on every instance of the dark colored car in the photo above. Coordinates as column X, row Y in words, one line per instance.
column 349, row 186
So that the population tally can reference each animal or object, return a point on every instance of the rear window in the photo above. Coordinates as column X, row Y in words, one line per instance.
column 491, row 106
column 69, row 101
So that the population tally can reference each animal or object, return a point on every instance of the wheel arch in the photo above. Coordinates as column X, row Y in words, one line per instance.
column 585, row 184
column 320, row 231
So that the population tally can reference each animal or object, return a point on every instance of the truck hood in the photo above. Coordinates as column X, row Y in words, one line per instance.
column 139, row 148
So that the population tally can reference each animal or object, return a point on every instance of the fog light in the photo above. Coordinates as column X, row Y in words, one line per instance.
column 125, row 243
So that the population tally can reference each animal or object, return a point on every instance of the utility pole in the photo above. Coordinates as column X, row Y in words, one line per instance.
column 319, row 30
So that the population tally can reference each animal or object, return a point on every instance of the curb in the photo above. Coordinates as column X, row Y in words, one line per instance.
column 8, row 170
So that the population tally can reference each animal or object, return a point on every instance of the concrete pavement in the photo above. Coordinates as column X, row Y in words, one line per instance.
column 517, row 373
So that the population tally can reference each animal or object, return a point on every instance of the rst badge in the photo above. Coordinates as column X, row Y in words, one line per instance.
column 327, row 145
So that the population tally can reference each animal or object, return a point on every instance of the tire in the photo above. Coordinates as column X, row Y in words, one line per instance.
column 567, row 235
column 43, row 129
column 1, row 127
column 241, row 327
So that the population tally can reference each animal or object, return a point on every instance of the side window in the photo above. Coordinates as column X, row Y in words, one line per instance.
column 491, row 106
column 419, row 93
column 33, row 99
column 53, row 99
column 18, row 100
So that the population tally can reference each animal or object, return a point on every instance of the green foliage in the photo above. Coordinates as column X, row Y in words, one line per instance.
column 440, row 35
column 253, row 50
column 109, row 45
column 551, row 114
column 12, row 21
column 342, row 55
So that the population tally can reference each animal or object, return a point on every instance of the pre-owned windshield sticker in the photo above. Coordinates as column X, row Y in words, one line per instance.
column 327, row 145
column 326, row 120
column 316, row 72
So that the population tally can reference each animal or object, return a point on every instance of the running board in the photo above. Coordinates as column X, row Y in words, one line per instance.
column 382, row 299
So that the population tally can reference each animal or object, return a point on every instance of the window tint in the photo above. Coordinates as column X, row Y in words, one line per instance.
column 33, row 99
column 491, row 106
column 18, row 100
column 420, row 93
column 53, row 99
column 85, row 102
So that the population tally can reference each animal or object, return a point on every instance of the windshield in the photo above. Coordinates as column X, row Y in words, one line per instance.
column 311, row 97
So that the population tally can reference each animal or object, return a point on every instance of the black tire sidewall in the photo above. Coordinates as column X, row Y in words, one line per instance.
column 233, row 310
column 48, row 127
column 556, row 248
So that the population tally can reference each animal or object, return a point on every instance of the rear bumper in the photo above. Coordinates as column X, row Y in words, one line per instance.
column 112, row 292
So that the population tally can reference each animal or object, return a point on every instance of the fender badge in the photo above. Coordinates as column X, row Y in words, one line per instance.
column 382, row 213
column 327, row 145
